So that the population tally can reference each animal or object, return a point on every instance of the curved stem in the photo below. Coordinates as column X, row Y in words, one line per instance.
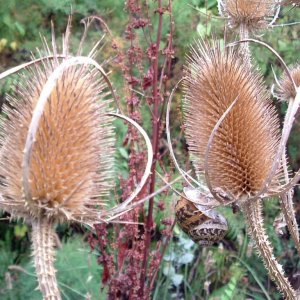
column 43, row 252
column 254, row 220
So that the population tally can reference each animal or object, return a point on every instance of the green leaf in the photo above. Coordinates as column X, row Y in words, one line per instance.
column 20, row 28
column 20, row 230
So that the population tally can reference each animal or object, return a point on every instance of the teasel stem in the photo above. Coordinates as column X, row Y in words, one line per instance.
column 286, row 204
column 245, row 53
column 253, row 215
column 43, row 252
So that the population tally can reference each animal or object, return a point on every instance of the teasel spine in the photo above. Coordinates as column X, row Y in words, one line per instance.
column 253, row 216
column 43, row 253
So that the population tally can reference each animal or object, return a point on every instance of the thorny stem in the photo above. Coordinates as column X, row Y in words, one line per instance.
column 254, row 219
column 155, row 138
column 286, row 204
column 244, row 47
column 43, row 252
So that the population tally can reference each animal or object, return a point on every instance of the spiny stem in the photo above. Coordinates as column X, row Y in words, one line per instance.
column 254, row 220
column 244, row 47
column 43, row 252
column 286, row 204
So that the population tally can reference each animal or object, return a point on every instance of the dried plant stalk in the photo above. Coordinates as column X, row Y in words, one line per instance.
column 254, row 220
column 233, row 132
column 43, row 253
column 56, row 151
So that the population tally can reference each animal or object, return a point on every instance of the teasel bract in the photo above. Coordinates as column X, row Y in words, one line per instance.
column 57, row 149
column 233, row 135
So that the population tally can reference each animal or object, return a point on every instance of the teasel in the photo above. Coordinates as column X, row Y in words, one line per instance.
column 233, row 135
column 286, row 89
column 57, row 149
column 248, row 16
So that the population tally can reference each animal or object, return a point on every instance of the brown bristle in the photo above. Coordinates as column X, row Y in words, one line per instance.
column 245, row 144
column 72, row 154
column 286, row 90
column 252, row 14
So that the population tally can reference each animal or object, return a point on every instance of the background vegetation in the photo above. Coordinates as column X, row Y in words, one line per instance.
column 230, row 270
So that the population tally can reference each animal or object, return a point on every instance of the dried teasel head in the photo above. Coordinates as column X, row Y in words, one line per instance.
column 242, row 151
column 251, row 14
column 71, row 162
column 286, row 89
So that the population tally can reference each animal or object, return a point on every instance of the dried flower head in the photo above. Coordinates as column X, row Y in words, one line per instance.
column 252, row 14
column 286, row 89
column 71, row 160
column 245, row 144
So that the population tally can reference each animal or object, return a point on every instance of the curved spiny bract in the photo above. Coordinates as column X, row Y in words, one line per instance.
column 245, row 144
column 286, row 89
column 71, row 159
column 254, row 220
column 252, row 14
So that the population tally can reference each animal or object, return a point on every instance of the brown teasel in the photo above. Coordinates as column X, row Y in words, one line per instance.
column 233, row 134
column 251, row 14
column 286, row 89
column 244, row 146
column 71, row 160
column 200, row 222
column 57, row 131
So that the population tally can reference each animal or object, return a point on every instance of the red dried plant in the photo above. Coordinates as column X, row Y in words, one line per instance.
column 145, row 68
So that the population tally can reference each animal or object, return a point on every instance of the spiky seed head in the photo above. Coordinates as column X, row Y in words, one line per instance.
column 286, row 89
column 72, row 157
column 245, row 144
column 252, row 14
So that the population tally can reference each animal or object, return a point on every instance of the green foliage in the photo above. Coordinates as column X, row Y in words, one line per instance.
column 78, row 274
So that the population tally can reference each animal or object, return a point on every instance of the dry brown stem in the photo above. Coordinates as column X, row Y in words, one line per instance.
column 43, row 253
column 254, row 220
